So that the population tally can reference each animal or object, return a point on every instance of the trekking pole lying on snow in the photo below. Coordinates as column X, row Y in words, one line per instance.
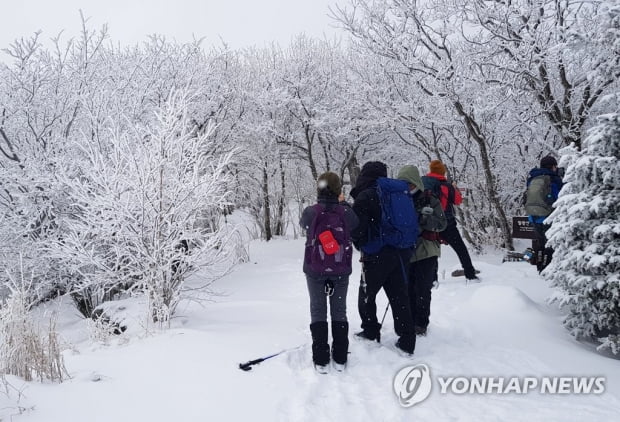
column 248, row 365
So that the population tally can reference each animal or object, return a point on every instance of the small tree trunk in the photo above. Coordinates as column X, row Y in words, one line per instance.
column 309, row 140
column 324, row 147
column 266, row 204
column 474, row 130
column 353, row 167
column 281, row 201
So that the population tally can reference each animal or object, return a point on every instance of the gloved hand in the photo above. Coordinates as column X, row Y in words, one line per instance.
column 427, row 210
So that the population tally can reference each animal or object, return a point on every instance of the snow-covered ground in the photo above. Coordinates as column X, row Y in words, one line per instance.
column 501, row 327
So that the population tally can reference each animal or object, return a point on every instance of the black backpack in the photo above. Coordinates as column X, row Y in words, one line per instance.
column 434, row 185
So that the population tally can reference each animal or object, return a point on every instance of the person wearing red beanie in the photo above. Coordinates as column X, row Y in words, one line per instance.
column 449, row 196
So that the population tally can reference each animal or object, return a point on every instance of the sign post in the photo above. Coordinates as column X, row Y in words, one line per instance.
column 523, row 229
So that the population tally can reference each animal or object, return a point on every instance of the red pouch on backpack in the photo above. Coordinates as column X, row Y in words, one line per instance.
column 330, row 245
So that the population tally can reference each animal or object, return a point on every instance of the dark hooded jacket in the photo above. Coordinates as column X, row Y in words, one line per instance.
column 366, row 205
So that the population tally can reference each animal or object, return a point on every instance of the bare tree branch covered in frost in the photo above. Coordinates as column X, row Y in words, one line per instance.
column 564, row 54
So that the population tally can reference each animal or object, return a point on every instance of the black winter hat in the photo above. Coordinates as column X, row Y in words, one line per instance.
column 370, row 172
column 329, row 180
column 374, row 169
column 548, row 162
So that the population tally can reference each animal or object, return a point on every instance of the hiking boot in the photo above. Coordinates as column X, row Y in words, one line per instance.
column 474, row 279
column 468, row 274
column 340, row 343
column 320, row 348
column 365, row 335
column 339, row 367
column 406, row 344
column 321, row 369
column 419, row 330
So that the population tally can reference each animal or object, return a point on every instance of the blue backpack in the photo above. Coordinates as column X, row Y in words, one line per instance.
column 399, row 220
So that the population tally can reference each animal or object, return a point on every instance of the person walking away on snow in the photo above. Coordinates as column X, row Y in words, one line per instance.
column 327, row 266
column 424, row 263
column 543, row 187
column 385, row 269
column 449, row 196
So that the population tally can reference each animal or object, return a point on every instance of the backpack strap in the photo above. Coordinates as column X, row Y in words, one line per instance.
column 318, row 209
column 428, row 194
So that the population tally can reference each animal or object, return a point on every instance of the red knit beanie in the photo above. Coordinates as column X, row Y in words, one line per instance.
column 437, row 167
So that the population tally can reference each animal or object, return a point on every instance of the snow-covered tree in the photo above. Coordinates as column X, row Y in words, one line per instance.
column 585, row 236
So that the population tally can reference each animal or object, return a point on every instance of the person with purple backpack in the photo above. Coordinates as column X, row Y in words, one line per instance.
column 327, row 266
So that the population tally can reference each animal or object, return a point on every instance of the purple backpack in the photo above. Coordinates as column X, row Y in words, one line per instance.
column 316, row 261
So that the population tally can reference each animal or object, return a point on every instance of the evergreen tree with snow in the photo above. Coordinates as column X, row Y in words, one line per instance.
column 585, row 234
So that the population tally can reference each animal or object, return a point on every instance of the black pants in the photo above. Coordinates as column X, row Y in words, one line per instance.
column 388, row 270
column 453, row 237
column 541, row 233
column 543, row 253
column 422, row 274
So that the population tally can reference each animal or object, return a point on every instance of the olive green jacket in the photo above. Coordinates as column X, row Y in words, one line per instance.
column 433, row 222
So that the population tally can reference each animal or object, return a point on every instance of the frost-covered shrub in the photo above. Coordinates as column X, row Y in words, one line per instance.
column 26, row 349
column 585, row 235
column 142, row 208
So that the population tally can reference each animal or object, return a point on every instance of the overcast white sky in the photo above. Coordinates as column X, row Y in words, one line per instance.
column 240, row 23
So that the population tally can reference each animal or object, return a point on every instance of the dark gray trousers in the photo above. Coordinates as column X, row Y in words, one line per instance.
column 337, row 301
